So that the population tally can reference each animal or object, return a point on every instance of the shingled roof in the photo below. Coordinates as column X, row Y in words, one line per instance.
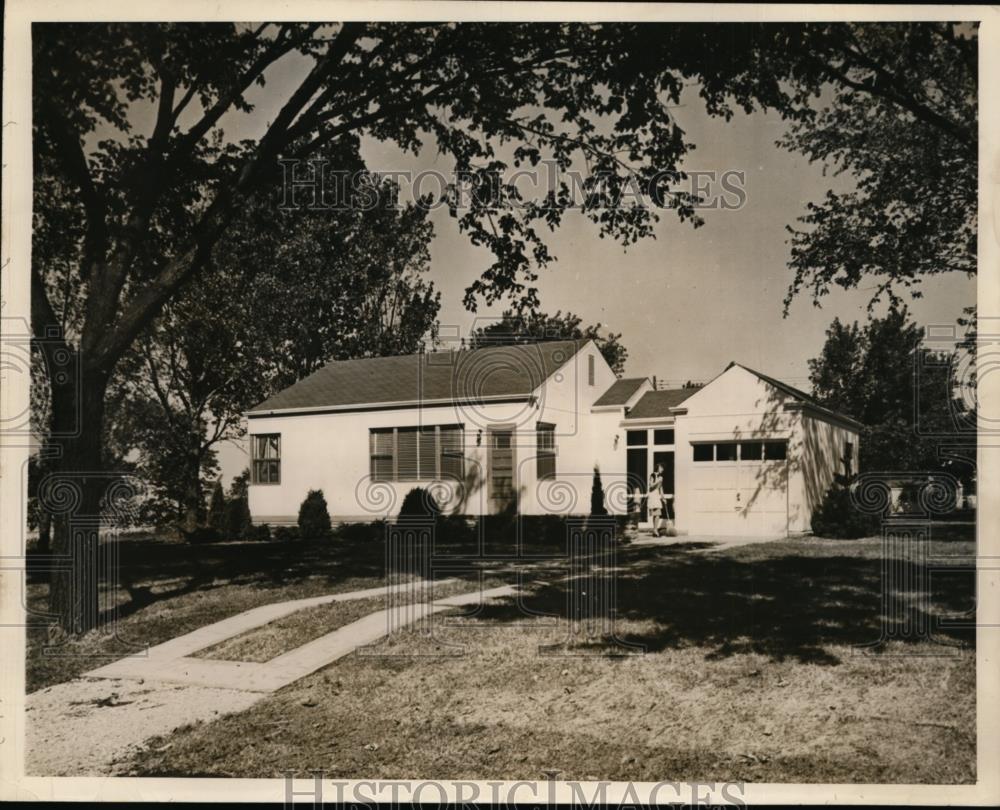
column 620, row 392
column 466, row 375
column 657, row 404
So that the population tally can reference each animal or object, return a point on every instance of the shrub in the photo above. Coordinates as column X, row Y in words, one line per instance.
column 362, row 532
column 284, row 534
column 419, row 502
column 237, row 522
column 217, row 508
column 314, row 518
column 203, row 534
column 597, row 507
column 837, row 517
column 261, row 533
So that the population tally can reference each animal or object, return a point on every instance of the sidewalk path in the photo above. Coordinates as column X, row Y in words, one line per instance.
column 85, row 726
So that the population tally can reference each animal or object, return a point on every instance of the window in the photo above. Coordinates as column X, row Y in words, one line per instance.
column 545, row 437
column 663, row 437
column 266, row 454
column 635, row 438
column 381, row 446
column 590, row 369
column 417, row 453
column 703, row 452
column 775, row 451
column 725, row 451
column 751, row 451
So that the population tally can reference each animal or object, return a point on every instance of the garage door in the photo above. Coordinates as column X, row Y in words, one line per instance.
column 740, row 488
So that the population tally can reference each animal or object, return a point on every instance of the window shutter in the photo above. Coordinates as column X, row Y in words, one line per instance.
column 427, row 453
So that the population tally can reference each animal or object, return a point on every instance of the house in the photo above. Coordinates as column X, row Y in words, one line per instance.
column 524, row 426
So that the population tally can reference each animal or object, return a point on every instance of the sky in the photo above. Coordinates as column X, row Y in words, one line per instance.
column 687, row 302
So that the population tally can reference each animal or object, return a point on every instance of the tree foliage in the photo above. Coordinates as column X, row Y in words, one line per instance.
column 906, row 396
column 531, row 327
column 900, row 119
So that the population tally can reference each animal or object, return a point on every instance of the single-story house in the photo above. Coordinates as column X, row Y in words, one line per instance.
column 524, row 427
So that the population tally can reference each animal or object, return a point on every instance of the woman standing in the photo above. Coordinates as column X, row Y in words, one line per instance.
column 654, row 499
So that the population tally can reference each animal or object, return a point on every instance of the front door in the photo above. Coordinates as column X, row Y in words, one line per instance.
column 501, row 465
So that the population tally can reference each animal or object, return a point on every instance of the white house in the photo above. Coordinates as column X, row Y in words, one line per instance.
column 525, row 426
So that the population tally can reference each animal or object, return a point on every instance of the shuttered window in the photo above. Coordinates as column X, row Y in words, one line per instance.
column 417, row 453
column 266, row 455
column 381, row 445
column 545, row 436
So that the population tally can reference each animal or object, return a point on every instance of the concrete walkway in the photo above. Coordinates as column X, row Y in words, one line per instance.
column 88, row 725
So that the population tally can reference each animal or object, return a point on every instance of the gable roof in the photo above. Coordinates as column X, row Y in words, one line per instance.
column 657, row 404
column 796, row 393
column 466, row 375
column 620, row 392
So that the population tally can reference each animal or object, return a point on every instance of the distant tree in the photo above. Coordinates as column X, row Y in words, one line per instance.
column 597, row 505
column 217, row 507
column 532, row 327
column 879, row 374
column 314, row 516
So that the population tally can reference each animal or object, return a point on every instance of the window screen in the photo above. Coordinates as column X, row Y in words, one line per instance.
column 751, row 451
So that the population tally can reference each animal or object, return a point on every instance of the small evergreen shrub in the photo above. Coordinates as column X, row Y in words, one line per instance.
column 838, row 518
column 419, row 502
column 260, row 533
column 597, row 507
column 286, row 534
column 217, row 508
column 203, row 534
column 237, row 520
column 314, row 517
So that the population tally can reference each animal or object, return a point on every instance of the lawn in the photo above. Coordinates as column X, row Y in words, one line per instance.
column 751, row 670
column 170, row 588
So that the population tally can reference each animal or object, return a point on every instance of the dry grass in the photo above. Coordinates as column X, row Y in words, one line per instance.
column 751, row 672
column 261, row 644
column 169, row 589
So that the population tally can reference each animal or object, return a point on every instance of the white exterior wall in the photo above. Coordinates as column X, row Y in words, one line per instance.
column 583, row 439
column 753, row 498
column 330, row 451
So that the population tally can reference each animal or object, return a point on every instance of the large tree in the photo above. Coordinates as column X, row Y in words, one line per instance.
column 134, row 213
column 899, row 119
column 532, row 327
column 287, row 291
column 907, row 397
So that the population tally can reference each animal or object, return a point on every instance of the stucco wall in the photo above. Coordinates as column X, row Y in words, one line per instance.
column 331, row 452
column 753, row 498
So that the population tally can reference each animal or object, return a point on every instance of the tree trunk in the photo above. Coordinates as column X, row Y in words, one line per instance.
column 194, row 501
column 74, row 494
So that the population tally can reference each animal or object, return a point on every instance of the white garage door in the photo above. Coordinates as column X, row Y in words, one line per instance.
column 740, row 488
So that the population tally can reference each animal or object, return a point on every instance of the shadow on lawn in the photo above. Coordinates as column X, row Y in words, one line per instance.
column 150, row 571
column 785, row 607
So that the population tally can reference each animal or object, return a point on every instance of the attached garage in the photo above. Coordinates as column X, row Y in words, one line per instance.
column 751, row 455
